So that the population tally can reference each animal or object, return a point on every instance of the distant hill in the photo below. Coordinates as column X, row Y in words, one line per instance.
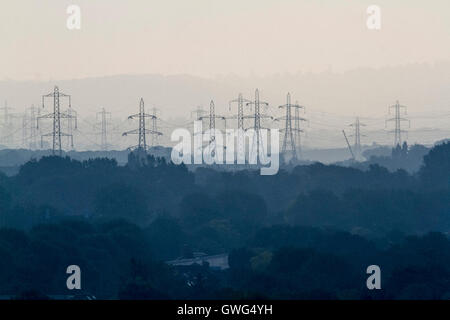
column 363, row 91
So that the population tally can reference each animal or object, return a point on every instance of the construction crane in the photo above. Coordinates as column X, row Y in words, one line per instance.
column 348, row 144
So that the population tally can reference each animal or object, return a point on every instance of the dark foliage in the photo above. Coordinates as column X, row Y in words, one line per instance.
column 305, row 234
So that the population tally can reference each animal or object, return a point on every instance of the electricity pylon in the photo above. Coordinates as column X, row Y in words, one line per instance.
column 357, row 135
column 398, row 121
column 34, row 113
column 24, row 130
column 56, row 115
column 154, row 127
column 70, row 126
column 6, row 124
column 240, row 114
column 105, row 116
column 212, row 120
column 257, row 124
column 297, row 129
column 289, row 142
column 141, row 131
column 240, row 124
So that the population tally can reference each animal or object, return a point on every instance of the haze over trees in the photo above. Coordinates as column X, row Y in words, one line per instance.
column 306, row 233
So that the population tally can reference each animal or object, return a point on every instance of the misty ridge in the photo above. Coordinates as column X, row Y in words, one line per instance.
column 363, row 91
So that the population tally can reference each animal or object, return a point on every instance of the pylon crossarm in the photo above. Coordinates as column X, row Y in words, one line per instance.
column 67, row 115
column 133, row 116
column 143, row 115
column 299, row 118
column 216, row 117
column 135, row 131
column 260, row 102
column 153, row 132
column 66, row 134
column 46, row 116
column 243, row 100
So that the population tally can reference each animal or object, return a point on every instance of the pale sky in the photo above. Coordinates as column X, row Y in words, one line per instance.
column 216, row 37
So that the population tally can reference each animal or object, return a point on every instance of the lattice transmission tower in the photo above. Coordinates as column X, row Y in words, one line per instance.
column 298, row 129
column 290, row 144
column 34, row 112
column 155, row 119
column 398, row 119
column 141, row 131
column 103, row 124
column 6, row 125
column 56, row 115
column 357, row 150
column 240, row 101
column 257, row 143
column 71, row 125
column 212, row 116
column 240, row 105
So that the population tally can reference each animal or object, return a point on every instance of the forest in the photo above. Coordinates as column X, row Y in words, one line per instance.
column 305, row 233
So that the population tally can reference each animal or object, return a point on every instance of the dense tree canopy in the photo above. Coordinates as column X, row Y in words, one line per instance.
column 307, row 232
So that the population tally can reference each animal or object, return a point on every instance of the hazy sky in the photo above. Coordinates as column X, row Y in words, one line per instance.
column 214, row 37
